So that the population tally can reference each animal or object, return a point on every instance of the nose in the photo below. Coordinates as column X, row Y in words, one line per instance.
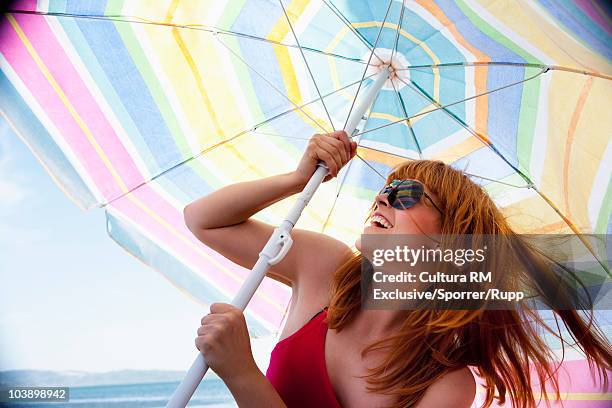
column 382, row 200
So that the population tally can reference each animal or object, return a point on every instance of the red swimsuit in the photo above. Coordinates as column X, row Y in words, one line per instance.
column 297, row 367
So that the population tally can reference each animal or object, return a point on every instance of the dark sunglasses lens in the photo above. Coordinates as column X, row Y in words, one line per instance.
column 406, row 194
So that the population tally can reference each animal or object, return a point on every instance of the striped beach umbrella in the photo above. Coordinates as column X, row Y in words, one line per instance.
column 139, row 107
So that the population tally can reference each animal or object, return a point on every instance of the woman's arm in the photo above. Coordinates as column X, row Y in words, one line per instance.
column 253, row 389
column 236, row 203
column 221, row 220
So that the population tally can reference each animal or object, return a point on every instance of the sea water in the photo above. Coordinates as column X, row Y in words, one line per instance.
column 212, row 393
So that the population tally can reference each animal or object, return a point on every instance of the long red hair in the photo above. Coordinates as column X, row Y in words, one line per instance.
column 501, row 345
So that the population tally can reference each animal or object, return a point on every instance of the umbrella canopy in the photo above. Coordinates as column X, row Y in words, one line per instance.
column 141, row 107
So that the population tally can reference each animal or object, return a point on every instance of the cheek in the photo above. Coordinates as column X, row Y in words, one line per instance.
column 431, row 221
column 417, row 220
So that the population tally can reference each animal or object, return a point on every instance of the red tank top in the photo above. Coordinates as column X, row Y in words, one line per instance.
column 297, row 367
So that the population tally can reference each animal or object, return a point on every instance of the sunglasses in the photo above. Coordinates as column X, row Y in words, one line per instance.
column 403, row 194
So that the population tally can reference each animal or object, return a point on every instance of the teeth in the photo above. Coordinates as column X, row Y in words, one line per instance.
column 381, row 220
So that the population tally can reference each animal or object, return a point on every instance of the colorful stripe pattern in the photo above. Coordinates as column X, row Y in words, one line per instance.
column 140, row 108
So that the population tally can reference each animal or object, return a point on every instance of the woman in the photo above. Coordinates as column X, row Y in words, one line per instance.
column 343, row 355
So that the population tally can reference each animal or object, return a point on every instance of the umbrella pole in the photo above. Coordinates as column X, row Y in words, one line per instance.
column 276, row 248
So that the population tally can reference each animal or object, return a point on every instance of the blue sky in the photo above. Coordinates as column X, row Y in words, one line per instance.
column 70, row 298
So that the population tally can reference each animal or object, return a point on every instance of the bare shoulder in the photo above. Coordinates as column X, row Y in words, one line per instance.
column 456, row 389
column 318, row 257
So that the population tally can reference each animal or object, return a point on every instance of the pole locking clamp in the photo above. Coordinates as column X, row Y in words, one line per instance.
column 283, row 242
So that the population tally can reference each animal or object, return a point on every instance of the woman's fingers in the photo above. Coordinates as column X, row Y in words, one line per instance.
column 338, row 146
column 336, row 149
column 339, row 159
column 223, row 340
column 329, row 160
column 343, row 137
column 209, row 321
column 210, row 318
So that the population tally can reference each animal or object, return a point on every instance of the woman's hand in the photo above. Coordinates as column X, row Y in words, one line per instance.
column 223, row 340
column 334, row 149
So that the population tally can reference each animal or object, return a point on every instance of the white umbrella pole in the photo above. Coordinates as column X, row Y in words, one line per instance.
column 275, row 249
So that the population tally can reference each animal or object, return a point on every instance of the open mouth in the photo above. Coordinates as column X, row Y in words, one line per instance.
column 380, row 222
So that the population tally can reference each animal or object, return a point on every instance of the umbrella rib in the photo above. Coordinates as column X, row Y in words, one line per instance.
column 329, row 54
column 399, row 28
column 345, row 175
column 472, row 64
column 371, row 167
column 385, row 152
column 450, row 104
column 197, row 27
column 242, row 133
column 308, row 103
column 499, row 181
column 401, row 102
column 469, row 174
column 347, row 23
column 331, row 122
column 272, row 85
column 578, row 71
column 382, row 26
column 485, row 141
column 509, row 64
column 253, row 37
column 257, row 132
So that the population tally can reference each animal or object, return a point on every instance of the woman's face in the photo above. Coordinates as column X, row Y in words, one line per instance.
column 422, row 218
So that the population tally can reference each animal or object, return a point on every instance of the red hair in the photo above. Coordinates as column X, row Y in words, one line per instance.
column 502, row 345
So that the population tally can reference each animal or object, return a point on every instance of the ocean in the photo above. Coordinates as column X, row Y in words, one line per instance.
column 212, row 393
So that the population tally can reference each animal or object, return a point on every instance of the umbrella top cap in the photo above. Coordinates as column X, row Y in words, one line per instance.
column 396, row 63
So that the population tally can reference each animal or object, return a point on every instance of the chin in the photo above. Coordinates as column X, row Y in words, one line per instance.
column 368, row 229
column 358, row 243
